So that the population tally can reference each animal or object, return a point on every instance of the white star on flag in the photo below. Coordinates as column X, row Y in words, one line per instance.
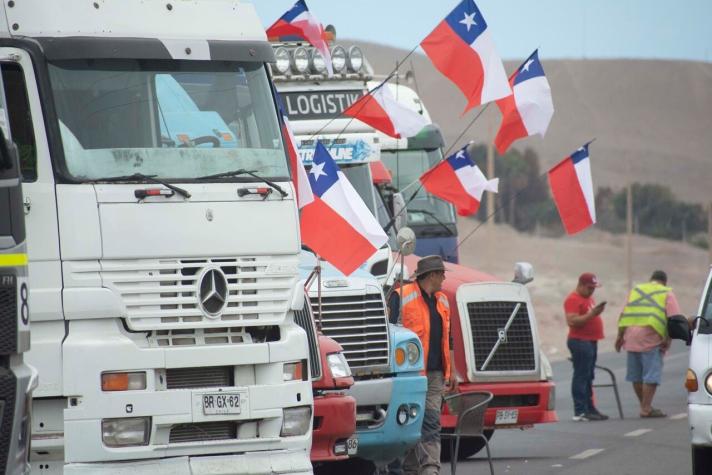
column 460, row 154
column 526, row 65
column 469, row 20
column 318, row 170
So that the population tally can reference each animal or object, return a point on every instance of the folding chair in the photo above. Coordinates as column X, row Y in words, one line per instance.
column 470, row 410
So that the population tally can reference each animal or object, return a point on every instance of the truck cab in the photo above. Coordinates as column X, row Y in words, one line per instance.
column 699, row 384
column 163, row 284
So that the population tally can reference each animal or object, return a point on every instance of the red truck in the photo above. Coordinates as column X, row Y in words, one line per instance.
column 496, row 348
column 334, row 412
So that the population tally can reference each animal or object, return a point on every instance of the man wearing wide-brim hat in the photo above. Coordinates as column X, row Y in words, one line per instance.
column 425, row 311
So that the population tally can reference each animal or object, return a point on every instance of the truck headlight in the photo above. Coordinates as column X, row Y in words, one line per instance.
column 296, row 421
column 403, row 414
column 300, row 60
column 281, row 56
column 338, row 58
column 338, row 365
column 123, row 381
column 413, row 352
column 708, row 383
column 355, row 59
column 125, row 432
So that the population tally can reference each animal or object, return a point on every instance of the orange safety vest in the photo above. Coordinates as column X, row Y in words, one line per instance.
column 416, row 317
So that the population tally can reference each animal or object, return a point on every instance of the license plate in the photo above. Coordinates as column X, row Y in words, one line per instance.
column 506, row 416
column 221, row 403
column 352, row 446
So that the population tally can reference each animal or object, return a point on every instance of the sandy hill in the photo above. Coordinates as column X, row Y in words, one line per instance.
column 652, row 119
column 558, row 263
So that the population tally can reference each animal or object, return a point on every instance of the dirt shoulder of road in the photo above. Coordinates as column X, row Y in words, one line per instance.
column 559, row 261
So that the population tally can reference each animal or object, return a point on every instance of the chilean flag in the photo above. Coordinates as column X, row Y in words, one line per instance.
column 459, row 181
column 337, row 225
column 299, row 174
column 529, row 110
column 298, row 21
column 572, row 187
column 461, row 48
column 380, row 110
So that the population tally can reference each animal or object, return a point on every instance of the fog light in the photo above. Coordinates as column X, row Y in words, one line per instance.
column 123, row 381
column 413, row 411
column 340, row 448
column 296, row 421
column 402, row 414
column 281, row 55
column 125, row 432
column 300, row 59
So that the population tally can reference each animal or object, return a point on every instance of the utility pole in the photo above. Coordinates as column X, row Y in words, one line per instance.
column 629, row 235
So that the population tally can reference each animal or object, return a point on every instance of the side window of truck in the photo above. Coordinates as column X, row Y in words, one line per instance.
column 18, row 111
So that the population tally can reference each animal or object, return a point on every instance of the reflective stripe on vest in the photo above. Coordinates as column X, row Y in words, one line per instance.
column 416, row 317
column 646, row 307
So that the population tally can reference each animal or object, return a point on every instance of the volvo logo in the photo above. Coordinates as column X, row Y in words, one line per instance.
column 212, row 293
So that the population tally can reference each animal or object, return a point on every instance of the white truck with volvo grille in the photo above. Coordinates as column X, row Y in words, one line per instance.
column 163, row 239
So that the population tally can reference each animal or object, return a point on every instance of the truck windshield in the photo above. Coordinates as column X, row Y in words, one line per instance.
column 406, row 166
column 172, row 119
column 706, row 326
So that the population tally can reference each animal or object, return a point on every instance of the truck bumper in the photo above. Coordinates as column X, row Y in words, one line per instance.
column 256, row 463
column 530, row 399
column 334, row 421
column 700, row 420
column 389, row 439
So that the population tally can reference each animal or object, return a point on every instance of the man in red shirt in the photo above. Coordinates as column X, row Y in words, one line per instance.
column 585, row 329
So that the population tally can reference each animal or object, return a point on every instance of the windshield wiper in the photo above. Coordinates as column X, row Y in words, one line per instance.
column 432, row 215
column 242, row 171
column 141, row 176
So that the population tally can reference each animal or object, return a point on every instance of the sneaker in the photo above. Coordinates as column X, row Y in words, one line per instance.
column 596, row 416
column 581, row 417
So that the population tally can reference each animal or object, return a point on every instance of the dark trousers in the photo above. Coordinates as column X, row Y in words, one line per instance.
column 583, row 355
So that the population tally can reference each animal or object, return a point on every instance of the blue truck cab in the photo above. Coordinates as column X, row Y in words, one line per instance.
column 386, row 360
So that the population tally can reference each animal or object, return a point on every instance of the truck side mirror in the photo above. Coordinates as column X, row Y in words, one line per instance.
column 679, row 329
column 400, row 213
column 523, row 273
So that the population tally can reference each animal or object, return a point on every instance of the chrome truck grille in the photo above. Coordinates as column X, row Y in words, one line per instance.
column 195, row 293
column 359, row 324
column 487, row 320
column 304, row 319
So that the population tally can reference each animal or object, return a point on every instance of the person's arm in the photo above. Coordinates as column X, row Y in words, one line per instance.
column 575, row 320
column 619, row 339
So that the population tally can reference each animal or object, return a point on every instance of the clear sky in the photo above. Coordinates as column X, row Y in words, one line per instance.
column 560, row 28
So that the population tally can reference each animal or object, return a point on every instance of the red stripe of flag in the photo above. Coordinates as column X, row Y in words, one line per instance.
column 457, row 61
column 512, row 127
column 443, row 182
column 368, row 110
column 569, row 198
column 340, row 244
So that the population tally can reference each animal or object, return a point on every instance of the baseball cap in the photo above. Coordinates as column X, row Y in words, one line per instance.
column 588, row 279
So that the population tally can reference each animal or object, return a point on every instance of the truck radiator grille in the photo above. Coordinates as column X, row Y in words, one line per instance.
column 304, row 319
column 8, row 314
column 201, row 377
column 517, row 353
column 203, row 431
column 359, row 324
column 165, row 293
column 200, row 337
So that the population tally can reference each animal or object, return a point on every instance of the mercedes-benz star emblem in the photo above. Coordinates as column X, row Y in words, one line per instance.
column 213, row 292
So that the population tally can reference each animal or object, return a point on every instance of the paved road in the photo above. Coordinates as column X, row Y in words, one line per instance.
column 630, row 446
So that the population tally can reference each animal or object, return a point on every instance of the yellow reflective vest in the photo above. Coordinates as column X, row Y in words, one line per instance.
column 646, row 307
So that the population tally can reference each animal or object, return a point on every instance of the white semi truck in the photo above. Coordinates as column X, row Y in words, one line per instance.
column 162, row 238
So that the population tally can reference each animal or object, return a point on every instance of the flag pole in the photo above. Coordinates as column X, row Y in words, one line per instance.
column 629, row 232
column 315, row 273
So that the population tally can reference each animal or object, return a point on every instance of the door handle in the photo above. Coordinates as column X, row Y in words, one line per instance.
column 28, row 205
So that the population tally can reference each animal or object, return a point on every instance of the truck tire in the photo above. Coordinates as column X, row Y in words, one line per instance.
column 469, row 446
column 701, row 460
